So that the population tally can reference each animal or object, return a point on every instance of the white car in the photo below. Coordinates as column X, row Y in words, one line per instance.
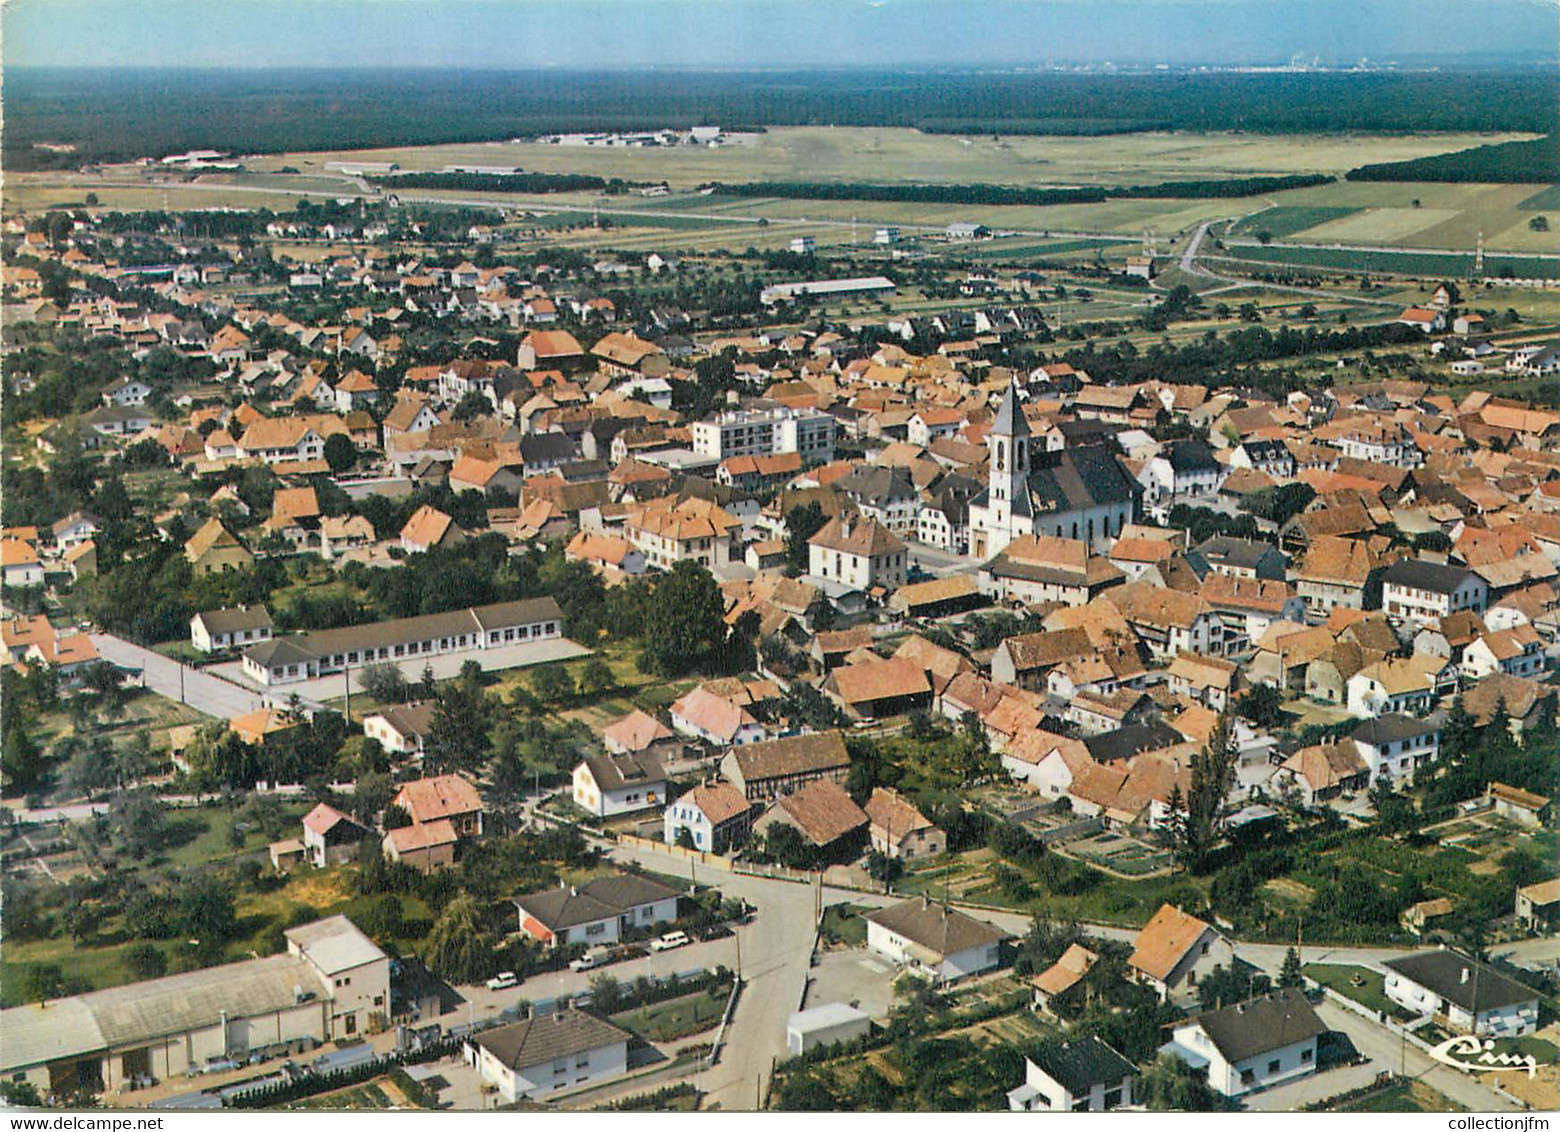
column 669, row 941
column 503, row 981
column 587, row 961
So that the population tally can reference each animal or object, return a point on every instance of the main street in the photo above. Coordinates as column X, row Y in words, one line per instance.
column 179, row 682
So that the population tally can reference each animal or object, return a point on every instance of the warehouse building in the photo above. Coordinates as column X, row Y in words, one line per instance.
column 330, row 983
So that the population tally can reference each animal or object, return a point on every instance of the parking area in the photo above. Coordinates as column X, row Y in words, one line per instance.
column 855, row 976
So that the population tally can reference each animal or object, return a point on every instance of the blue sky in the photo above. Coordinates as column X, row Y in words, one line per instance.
column 763, row 33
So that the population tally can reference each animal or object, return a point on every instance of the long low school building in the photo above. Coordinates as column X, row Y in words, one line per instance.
column 304, row 656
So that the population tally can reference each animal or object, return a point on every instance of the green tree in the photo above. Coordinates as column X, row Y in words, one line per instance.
column 596, row 677
column 1539, row 223
column 606, row 996
column 45, row 981
column 1171, row 1085
column 552, row 684
column 1289, row 974
column 395, row 818
column 801, row 523
column 1213, row 773
column 458, row 729
column 145, row 961
column 456, row 948
column 206, row 911
column 384, row 681
column 340, row 453
column 1262, row 705
column 685, row 626
column 1460, row 733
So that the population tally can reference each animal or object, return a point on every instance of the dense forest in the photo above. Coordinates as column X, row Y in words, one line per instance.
column 1534, row 162
column 1007, row 194
column 509, row 182
column 125, row 114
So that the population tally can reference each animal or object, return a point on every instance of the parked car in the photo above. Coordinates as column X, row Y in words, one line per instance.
column 503, row 981
column 668, row 941
column 588, row 961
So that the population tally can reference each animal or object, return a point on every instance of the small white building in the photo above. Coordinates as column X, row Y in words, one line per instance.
column 239, row 627
column 1251, row 1045
column 933, row 941
column 542, row 1055
column 823, row 1026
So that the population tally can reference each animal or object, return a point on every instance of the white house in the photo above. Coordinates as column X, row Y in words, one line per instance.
column 1077, row 1075
column 541, row 1055
column 1395, row 746
column 402, row 729
column 933, row 941
column 1462, row 994
column 598, row 912
column 1518, row 651
column 1424, row 592
column 230, row 628
column 1184, row 468
column 1251, row 1045
column 1407, row 686
column 716, row 816
column 606, row 785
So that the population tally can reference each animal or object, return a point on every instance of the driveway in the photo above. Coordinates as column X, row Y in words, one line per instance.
column 172, row 680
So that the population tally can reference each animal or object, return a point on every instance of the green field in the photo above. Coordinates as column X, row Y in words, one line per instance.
column 1544, row 199
column 1287, row 219
column 898, row 154
column 1438, row 264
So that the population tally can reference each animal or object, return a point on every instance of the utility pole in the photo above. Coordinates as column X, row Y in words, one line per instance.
column 181, row 684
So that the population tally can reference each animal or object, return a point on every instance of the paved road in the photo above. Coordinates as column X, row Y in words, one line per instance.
column 202, row 692
column 1189, row 265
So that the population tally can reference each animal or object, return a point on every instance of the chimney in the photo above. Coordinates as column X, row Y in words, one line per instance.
column 1465, row 974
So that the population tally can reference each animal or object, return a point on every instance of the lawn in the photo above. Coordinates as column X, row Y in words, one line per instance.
column 675, row 1018
column 842, row 923
column 1437, row 264
column 379, row 1093
column 1408, row 1096
column 1370, row 993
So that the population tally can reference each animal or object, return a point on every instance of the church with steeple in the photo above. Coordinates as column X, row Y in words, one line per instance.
column 1079, row 493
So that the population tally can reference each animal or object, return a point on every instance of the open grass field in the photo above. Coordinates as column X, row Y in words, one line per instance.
column 1450, row 215
column 897, row 154
column 1437, row 264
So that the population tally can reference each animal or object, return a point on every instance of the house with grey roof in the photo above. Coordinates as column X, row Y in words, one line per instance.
column 608, row 784
column 934, row 941
column 599, row 912
column 1076, row 1075
column 1251, row 1045
column 541, row 1055
column 239, row 627
column 1462, row 994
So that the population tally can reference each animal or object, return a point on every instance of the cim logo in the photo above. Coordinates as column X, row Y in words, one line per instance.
column 1474, row 1056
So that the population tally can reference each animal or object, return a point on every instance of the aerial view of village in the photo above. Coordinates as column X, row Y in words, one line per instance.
column 675, row 556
